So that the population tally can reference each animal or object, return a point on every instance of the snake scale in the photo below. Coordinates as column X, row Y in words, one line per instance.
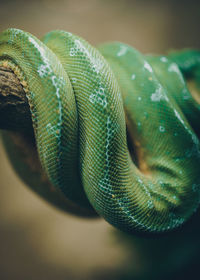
column 116, row 131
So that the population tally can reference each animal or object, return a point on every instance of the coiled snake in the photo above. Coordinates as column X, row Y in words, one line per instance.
column 78, row 106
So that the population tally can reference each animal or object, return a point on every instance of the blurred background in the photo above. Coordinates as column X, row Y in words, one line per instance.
column 40, row 242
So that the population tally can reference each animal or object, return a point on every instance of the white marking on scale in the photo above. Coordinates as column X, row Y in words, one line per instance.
column 161, row 128
column 133, row 77
column 173, row 68
column 158, row 95
column 148, row 67
column 163, row 59
column 122, row 51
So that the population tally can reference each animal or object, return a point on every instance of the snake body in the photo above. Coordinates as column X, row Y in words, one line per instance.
column 79, row 97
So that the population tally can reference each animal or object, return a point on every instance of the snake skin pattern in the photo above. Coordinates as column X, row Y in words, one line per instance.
column 116, row 131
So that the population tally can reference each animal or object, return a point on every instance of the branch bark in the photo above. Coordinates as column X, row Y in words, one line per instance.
column 14, row 108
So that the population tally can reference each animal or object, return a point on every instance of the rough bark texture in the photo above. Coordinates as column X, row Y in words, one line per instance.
column 14, row 108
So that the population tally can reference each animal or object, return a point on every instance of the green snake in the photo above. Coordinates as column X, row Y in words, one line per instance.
column 116, row 131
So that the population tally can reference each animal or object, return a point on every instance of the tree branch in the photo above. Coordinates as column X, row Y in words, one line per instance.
column 14, row 108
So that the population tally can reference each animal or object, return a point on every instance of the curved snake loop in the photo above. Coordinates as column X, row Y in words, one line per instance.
column 78, row 106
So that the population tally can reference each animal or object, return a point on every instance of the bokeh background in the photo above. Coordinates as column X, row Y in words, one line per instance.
column 40, row 242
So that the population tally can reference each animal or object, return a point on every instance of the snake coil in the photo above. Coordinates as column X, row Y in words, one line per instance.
column 78, row 106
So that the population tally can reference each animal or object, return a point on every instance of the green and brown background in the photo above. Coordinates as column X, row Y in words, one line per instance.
column 38, row 241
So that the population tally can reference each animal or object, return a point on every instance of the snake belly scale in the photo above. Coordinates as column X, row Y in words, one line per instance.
column 79, row 97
